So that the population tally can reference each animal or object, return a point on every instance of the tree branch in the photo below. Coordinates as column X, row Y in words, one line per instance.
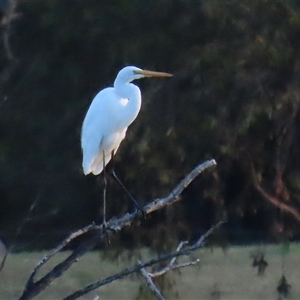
column 33, row 288
column 59, row 248
column 151, row 284
column 184, row 251
column 277, row 202
column 174, row 267
column 148, row 275
column 171, row 265
column 272, row 199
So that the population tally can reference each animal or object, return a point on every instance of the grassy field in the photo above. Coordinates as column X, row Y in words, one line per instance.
column 220, row 275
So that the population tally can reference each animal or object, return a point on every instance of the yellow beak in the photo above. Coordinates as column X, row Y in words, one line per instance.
column 147, row 73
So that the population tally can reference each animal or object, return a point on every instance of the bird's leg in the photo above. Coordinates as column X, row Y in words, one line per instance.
column 104, row 224
column 104, row 192
column 116, row 178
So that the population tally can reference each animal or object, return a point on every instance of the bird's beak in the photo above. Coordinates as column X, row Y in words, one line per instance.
column 147, row 73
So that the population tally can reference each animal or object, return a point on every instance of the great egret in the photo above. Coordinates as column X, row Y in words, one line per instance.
column 105, row 124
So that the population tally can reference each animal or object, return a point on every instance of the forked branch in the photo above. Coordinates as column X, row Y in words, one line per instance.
column 151, row 284
column 96, row 233
column 184, row 251
column 148, row 275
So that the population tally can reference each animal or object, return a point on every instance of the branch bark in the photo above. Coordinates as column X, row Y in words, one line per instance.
column 97, row 233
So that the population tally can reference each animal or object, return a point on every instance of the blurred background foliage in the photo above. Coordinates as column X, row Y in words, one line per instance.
column 234, row 97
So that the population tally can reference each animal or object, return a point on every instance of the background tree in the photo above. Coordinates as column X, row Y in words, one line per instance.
column 234, row 97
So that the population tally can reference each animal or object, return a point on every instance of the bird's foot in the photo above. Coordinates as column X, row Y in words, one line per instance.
column 105, row 230
column 139, row 208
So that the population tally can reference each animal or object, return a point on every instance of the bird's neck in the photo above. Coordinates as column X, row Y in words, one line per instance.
column 132, row 107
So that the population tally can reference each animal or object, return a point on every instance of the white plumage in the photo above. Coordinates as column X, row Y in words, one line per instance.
column 110, row 113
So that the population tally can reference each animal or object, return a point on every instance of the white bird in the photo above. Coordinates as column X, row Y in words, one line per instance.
column 105, row 124
column 110, row 113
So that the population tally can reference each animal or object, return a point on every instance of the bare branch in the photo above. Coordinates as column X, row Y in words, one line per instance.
column 151, row 284
column 174, row 195
column 59, row 248
column 148, row 276
column 33, row 288
column 184, row 251
column 174, row 267
column 170, row 264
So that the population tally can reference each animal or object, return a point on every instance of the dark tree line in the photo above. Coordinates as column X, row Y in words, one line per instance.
column 234, row 97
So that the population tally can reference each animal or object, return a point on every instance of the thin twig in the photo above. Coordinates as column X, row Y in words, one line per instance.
column 148, row 276
column 170, row 264
column 33, row 288
column 151, row 284
column 173, row 267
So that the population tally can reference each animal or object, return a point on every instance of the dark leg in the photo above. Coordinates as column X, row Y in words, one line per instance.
column 104, row 224
column 115, row 177
column 104, row 192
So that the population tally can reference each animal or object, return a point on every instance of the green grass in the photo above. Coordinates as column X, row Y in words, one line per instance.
column 225, row 274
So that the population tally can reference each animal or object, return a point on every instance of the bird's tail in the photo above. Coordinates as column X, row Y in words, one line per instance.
column 94, row 166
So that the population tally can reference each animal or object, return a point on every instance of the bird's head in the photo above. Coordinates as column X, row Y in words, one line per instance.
column 131, row 73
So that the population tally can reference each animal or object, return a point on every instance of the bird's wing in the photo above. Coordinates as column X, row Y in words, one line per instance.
column 94, row 129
